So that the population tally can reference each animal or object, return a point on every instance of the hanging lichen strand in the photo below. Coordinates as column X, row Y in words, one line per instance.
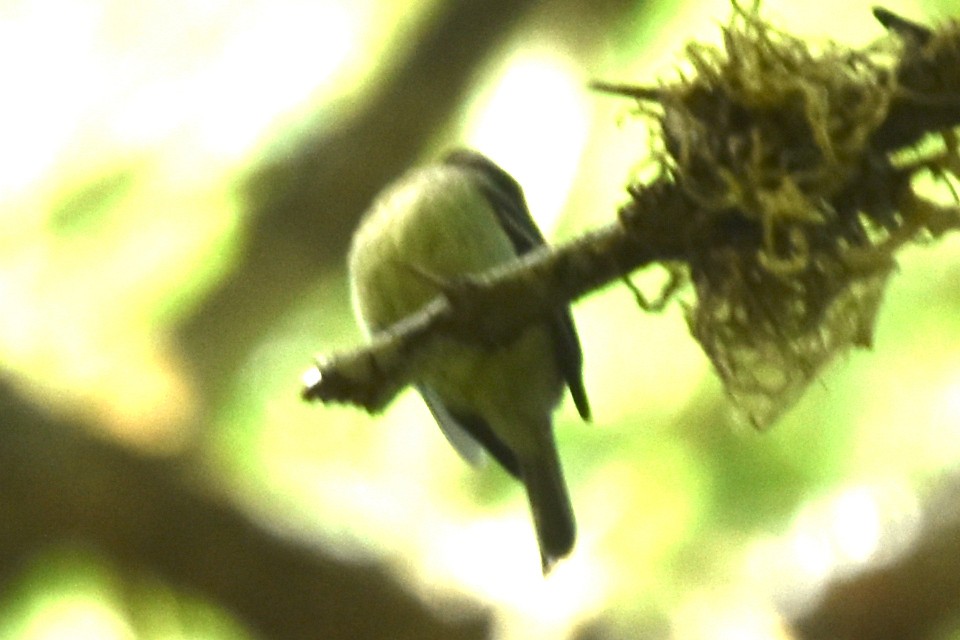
column 798, row 207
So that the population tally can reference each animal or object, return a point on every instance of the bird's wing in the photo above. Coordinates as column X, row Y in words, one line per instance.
column 506, row 197
column 470, row 435
column 570, row 358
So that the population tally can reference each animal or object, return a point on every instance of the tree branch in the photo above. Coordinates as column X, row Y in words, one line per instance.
column 778, row 196
column 330, row 176
column 60, row 485
column 521, row 292
column 914, row 595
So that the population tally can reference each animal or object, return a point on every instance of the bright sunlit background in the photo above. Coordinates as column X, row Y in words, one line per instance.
column 131, row 138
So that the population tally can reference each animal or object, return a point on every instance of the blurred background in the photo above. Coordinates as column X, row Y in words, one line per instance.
column 178, row 185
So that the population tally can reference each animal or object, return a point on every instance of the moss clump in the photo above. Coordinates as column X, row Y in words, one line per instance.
column 796, row 206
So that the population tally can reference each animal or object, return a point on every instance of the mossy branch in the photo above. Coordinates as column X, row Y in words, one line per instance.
column 780, row 197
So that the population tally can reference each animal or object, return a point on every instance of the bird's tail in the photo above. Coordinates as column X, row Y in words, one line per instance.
column 549, row 503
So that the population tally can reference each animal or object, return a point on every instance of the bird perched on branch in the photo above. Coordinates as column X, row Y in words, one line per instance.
column 461, row 217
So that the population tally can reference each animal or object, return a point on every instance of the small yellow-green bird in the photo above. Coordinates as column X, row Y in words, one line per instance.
column 461, row 216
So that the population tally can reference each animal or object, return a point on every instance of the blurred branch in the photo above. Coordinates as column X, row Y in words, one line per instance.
column 777, row 194
column 303, row 205
column 60, row 485
column 915, row 596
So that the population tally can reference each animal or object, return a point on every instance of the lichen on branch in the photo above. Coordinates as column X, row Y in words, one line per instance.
column 799, row 206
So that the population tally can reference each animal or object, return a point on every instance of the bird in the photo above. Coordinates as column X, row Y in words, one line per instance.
column 460, row 217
